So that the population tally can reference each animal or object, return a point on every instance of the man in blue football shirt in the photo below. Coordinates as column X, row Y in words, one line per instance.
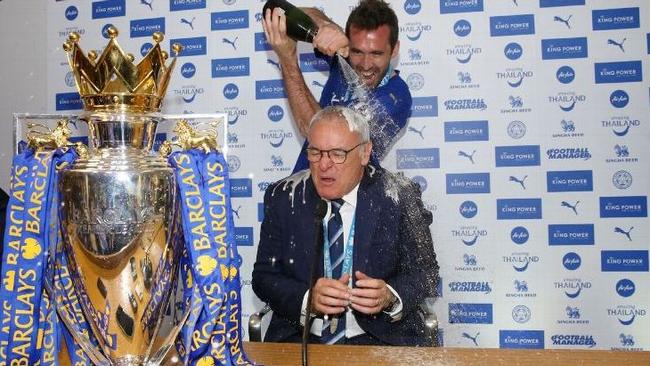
column 370, row 42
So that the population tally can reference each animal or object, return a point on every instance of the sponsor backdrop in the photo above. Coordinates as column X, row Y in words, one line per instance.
column 528, row 136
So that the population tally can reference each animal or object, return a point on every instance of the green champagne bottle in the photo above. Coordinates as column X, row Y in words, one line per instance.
column 300, row 26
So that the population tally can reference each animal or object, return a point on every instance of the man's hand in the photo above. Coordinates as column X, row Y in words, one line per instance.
column 275, row 29
column 370, row 295
column 331, row 296
column 331, row 39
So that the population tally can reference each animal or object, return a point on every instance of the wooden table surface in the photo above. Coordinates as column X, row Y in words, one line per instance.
column 280, row 354
column 283, row 354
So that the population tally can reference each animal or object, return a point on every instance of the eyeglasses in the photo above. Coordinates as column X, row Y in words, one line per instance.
column 337, row 156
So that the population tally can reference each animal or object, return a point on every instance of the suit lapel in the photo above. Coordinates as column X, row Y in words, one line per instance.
column 304, row 225
column 367, row 211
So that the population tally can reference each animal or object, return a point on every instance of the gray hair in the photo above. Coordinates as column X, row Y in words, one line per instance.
column 356, row 121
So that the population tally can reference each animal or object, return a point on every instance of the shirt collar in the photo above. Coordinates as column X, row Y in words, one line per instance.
column 351, row 197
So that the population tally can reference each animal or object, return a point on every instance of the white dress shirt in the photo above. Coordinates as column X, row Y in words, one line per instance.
column 352, row 328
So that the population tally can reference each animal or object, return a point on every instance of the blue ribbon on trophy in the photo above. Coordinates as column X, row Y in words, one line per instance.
column 29, row 329
column 211, row 334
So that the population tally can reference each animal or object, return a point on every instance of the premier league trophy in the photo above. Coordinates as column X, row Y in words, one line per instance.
column 118, row 205
column 107, row 229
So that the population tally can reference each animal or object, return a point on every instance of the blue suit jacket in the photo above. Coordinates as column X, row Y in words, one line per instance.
column 392, row 242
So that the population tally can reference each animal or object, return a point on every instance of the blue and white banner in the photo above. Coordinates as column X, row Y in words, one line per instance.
column 529, row 134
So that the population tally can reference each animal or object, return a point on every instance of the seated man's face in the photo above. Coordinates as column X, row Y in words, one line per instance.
column 335, row 180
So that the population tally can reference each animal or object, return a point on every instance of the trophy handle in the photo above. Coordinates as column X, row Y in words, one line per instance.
column 83, row 341
column 157, row 358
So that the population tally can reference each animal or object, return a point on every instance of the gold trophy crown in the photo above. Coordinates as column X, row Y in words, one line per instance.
column 114, row 83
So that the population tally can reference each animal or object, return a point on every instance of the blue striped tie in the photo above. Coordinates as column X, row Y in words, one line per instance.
column 335, row 236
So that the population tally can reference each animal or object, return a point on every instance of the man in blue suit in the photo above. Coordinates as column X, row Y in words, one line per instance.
column 373, row 270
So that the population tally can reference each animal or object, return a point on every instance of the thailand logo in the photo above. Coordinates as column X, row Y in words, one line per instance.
column 513, row 51
column 559, row 19
column 565, row 74
column 71, row 12
column 521, row 314
column 626, row 314
column 230, row 91
column 414, row 30
column 469, row 235
column 567, row 100
column 621, row 125
column 615, row 43
column 276, row 137
column 520, row 261
column 412, row 6
column 234, row 113
column 418, row 132
column 572, row 287
column 622, row 179
column 619, row 98
column 516, row 129
column 233, row 163
column 463, row 53
column 626, row 233
column 275, row 113
column 519, row 235
column 462, row 28
column 468, row 209
column 571, row 261
column 514, row 76
column 189, row 92
column 188, row 70
column 415, row 81
column 625, row 287
column 515, row 105
column 145, row 48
